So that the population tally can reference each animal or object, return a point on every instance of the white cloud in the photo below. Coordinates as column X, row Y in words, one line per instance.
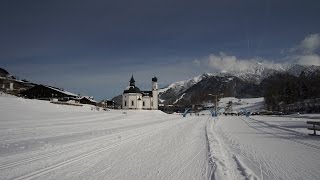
column 310, row 43
column 310, row 59
column 225, row 62
column 306, row 52
column 228, row 63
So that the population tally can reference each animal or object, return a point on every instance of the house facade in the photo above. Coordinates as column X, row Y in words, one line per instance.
column 134, row 98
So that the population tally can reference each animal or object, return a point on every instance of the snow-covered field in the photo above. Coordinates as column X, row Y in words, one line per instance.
column 39, row 140
column 249, row 104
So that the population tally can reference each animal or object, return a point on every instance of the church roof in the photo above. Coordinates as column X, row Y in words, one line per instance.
column 132, row 89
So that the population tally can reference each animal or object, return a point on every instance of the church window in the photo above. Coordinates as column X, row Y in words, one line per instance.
column 125, row 103
column 132, row 103
column 143, row 103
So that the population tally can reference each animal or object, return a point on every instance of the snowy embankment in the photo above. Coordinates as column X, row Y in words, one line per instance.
column 40, row 140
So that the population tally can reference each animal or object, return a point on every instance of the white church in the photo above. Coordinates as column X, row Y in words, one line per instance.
column 134, row 98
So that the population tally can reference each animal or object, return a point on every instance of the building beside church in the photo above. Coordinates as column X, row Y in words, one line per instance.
column 134, row 98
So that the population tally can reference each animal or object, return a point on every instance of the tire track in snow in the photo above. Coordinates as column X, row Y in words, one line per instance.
column 211, row 166
column 48, row 125
column 204, row 151
column 93, row 119
column 63, row 119
column 67, row 137
column 225, row 164
column 179, row 170
column 74, row 147
column 268, row 126
column 49, row 155
column 252, row 159
column 188, row 163
column 273, row 169
column 77, row 158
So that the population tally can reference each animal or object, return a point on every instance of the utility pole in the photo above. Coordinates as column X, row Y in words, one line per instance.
column 216, row 101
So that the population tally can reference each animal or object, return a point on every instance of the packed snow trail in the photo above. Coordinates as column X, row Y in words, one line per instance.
column 264, row 148
column 46, row 142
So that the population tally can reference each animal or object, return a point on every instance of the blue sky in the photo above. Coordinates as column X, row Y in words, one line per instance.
column 93, row 47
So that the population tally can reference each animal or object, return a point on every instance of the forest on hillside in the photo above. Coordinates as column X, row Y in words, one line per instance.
column 283, row 89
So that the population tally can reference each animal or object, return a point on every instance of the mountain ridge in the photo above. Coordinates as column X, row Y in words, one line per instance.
column 245, row 83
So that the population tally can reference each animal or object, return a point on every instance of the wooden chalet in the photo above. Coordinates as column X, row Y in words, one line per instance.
column 44, row 92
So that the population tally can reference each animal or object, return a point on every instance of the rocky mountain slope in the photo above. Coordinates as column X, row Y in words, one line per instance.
column 241, row 84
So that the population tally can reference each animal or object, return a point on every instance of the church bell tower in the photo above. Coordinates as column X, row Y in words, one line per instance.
column 154, row 93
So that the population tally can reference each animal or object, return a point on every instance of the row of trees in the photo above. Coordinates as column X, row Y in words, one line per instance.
column 283, row 88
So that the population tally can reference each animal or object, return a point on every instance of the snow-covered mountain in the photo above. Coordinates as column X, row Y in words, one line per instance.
column 245, row 83
column 260, row 71
column 255, row 72
column 179, row 87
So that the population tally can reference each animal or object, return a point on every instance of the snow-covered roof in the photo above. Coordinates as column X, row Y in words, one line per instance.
column 90, row 98
column 61, row 90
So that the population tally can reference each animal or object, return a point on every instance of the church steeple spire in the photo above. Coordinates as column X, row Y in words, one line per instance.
column 132, row 81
